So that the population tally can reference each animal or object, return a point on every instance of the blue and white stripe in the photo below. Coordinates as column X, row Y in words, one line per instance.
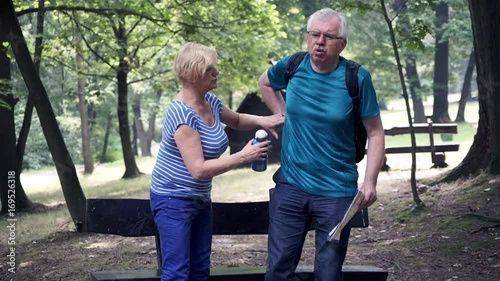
column 170, row 175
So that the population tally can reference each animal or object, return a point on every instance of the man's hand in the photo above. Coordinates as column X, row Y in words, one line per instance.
column 370, row 195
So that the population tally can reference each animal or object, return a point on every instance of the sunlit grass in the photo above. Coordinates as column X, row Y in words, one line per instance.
column 32, row 227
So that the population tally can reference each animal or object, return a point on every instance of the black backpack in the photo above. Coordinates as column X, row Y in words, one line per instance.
column 351, row 79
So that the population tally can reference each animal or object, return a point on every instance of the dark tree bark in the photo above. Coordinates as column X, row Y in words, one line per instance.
column 414, row 81
column 440, row 108
column 131, row 169
column 28, row 111
column 135, row 150
column 484, row 154
column 73, row 193
column 9, row 178
column 466, row 89
column 10, row 184
column 102, row 159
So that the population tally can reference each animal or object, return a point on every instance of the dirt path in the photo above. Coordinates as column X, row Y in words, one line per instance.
column 433, row 244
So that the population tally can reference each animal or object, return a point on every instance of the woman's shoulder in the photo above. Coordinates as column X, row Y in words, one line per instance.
column 178, row 108
column 212, row 98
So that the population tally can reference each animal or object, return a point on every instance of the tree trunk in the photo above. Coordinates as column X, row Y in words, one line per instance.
column 88, row 161
column 9, row 178
column 106, row 138
column 440, row 108
column 230, row 100
column 12, row 195
column 28, row 110
column 484, row 154
column 131, row 169
column 135, row 150
column 145, row 141
column 22, row 200
column 73, row 193
column 486, row 29
column 413, row 180
column 414, row 80
column 466, row 89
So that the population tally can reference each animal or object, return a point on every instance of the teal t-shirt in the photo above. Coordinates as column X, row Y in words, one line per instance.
column 318, row 151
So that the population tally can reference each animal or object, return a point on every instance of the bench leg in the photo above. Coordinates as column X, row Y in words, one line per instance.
column 385, row 167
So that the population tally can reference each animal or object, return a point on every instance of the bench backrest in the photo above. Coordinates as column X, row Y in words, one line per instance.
column 132, row 217
column 424, row 128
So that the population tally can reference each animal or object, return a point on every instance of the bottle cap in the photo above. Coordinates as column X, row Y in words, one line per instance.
column 261, row 134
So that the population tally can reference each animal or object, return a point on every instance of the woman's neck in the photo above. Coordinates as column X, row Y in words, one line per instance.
column 191, row 95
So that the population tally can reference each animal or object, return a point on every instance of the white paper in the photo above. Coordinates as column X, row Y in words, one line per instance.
column 334, row 235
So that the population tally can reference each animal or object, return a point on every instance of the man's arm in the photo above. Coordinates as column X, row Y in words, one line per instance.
column 375, row 159
column 272, row 98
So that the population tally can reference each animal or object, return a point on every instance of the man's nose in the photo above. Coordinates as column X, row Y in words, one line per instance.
column 321, row 39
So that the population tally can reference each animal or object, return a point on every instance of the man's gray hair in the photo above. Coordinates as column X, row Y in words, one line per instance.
column 327, row 13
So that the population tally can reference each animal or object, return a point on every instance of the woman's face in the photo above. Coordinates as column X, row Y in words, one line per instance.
column 209, row 79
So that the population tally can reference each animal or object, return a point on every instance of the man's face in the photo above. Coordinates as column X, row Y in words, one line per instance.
column 323, row 41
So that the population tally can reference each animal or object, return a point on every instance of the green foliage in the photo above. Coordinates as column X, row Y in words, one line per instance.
column 8, row 49
column 247, row 35
column 113, row 155
column 244, row 33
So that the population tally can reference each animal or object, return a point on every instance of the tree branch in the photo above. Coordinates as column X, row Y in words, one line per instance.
column 100, row 11
column 485, row 228
column 481, row 217
column 110, row 78
column 92, row 50
column 157, row 73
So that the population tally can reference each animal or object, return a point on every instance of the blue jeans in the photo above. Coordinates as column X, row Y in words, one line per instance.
column 185, row 227
column 291, row 212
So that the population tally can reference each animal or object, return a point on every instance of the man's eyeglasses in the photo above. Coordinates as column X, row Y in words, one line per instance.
column 329, row 37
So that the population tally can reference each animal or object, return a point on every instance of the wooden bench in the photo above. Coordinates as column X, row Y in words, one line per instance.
column 132, row 217
column 436, row 150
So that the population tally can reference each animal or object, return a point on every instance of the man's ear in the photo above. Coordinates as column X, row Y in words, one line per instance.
column 344, row 44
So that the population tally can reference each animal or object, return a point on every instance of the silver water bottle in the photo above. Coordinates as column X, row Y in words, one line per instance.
column 259, row 165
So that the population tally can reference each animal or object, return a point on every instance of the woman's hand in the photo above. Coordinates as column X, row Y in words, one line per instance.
column 272, row 122
column 252, row 152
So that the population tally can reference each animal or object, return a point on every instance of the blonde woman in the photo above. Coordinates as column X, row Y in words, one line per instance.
column 192, row 142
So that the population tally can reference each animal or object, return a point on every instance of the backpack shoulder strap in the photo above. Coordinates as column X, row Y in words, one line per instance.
column 351, row 80
column 293, row 64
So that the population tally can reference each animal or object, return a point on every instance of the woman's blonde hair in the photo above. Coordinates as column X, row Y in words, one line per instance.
column 193, row 60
